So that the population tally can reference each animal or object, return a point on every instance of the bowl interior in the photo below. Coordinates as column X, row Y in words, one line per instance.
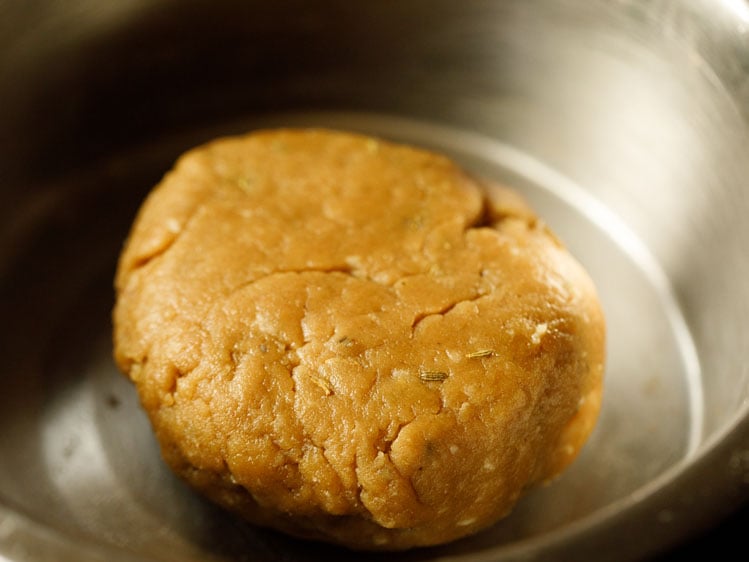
column 629, row 150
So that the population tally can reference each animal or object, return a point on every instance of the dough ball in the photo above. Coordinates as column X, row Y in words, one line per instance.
column 355, row 341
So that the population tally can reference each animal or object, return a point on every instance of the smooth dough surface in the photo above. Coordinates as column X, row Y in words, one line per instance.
column 354, row 341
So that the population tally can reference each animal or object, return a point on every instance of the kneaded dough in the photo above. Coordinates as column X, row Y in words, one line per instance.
column 355, row 341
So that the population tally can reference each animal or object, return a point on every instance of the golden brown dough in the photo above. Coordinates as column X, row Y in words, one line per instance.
column 355, row 341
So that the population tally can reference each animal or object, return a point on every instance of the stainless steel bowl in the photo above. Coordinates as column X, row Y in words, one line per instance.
column 624, row 122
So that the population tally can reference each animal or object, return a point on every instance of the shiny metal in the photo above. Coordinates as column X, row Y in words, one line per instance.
column 625, row 122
